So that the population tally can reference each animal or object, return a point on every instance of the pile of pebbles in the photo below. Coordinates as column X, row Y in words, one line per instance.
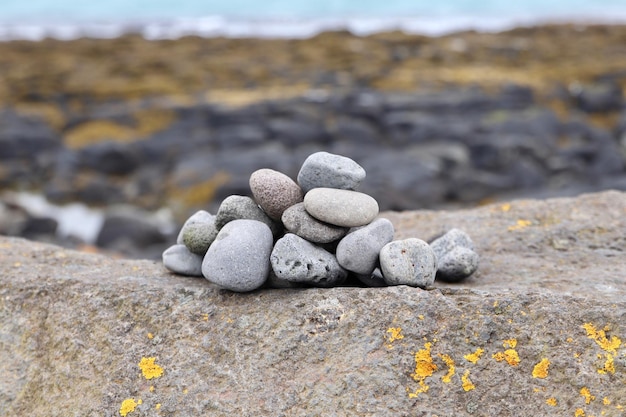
column 318, row 231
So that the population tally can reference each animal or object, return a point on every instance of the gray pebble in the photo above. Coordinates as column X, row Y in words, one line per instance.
column 375, row 279
column 456, row 258
column 199, row 232
column 297, row 260
column 237, row 207
column 238, row 260
column 341, row 207
column 298, row 221
column 408, row 262
column 457, row 264
column 274, row 191
column 327, row 170
column 180, row 260
column 358, row 251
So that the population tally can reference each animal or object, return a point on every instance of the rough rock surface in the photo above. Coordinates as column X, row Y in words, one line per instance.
column 75, row 326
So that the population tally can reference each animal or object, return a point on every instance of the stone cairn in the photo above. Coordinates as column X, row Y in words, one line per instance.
column 318, row 232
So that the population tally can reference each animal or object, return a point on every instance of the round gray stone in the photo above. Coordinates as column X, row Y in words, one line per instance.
column 236, row 207
column 238, row 260
column 274, row 191
column 341, row 207
column 375, row 279
column 408, row 262
column 457, row 264
column 358, row 251
column 298, row 221
column 327, row 170
column 199, row 232
column 450, row 240
column 180, row 260
column 297, row 260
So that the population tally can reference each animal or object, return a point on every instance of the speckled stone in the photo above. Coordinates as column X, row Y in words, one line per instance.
column 299, row 222
column 238, row 260
column 274, row 191
column 180, row 260
column 236, row 207
column 456, row 258
column 199, row 232
column 327, row 170
column 341, row 207
column 358, row 250
column 408, row 262
column 297, row 260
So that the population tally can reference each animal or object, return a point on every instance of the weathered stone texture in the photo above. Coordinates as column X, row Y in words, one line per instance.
column 74, row 326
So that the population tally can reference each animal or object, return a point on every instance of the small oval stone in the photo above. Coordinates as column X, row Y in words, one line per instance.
column 299, row 222
column 238, row 260
column 327, row 170
column 180, row 260
column 199, row 232
column 274, row 191
column 408, row 262
column 450, row 240
column 341, row 207
column 457, row 264
column 236, row 207
column 358, row 251
column 297, row 260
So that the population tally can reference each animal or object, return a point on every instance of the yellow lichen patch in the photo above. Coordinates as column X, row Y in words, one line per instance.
column 475, row 356
column 467, row 382
column 447, row 378
column 424, row 367
column 149, row 369
column 579, row 412
column 95, row 131
column 158, row 406
column 584, row 391
column 505, row 207
column 609, row 365
column 606, row 401
column 610, row 345
column 395, row 333
column 510, row 356
column 510, row 343
column 151, row 388
column 520, row 224
column 551, row 402
column 541, row 369
column 150, row 336
column 128, row 406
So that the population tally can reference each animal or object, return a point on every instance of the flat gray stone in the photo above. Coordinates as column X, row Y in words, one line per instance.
column 180, row 260
column 274, row 191
column 457, row 264
column 236, row 207
column 358, row 251
column 327, row 170
column 450, row 240
column 375, row 279
column 408, row 262
column 297, row 260
column 299, row 222
column 199, row 232
column 238, row 260
column 341, row 207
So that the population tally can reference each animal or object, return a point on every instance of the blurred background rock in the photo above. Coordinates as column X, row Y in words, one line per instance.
column 112, row 143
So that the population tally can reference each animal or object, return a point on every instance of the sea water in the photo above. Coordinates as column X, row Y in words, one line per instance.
column 67, row 19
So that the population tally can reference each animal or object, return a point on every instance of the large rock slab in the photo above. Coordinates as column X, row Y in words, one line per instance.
column 551, row 285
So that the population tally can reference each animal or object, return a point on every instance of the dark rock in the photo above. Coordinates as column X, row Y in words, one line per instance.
column 109, row 158
column 600, row 97
column 25, row 137
column 39, row 226
column 129, row 225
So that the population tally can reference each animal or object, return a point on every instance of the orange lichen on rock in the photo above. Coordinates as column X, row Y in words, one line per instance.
column 579, row 412
column 447, row 378
column 510, row 356
column 128, row 406
column 520, row 224
column 510, row 343
column 584, row 391
column 467, row 383
column 610, row 345
column 609, row 365
column 541, row 369
column 475, row 356
column 551, row 402
column 424, row 367
column 149, row 369
column 395, row 333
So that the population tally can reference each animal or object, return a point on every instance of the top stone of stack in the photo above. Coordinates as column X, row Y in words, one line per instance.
column 326, row 170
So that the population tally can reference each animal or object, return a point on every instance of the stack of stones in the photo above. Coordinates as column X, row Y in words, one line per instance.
column 319, row 232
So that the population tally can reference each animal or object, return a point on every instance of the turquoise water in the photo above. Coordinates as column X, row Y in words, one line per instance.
column 287, row 18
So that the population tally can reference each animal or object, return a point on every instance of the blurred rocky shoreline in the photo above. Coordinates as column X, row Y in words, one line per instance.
column 134, row 127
